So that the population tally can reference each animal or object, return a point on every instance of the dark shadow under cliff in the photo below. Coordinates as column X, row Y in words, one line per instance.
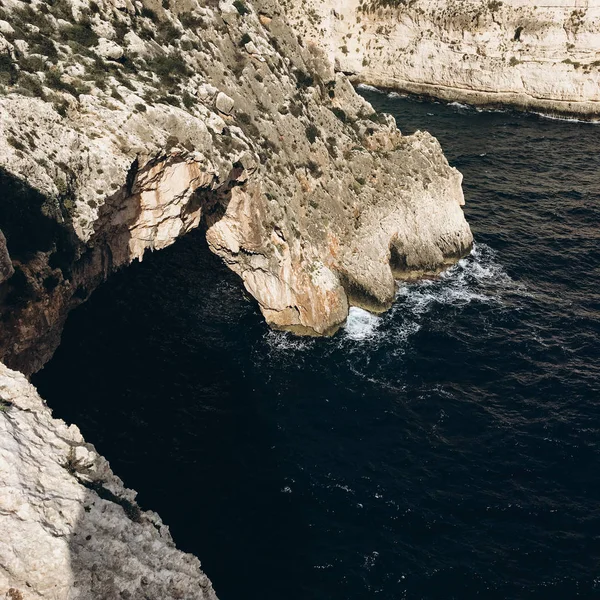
column 178, row 415
column 53, row 270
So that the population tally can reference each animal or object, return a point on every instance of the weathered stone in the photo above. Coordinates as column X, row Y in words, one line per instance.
column 108, row 49
column 224, row 103
column 316, row 201
column 251, row 48
column 70, row 529
column 136, row 44
column 22, row 46
column 6, row 27
column 206, row 92
column 312, row 198
column 523, row 53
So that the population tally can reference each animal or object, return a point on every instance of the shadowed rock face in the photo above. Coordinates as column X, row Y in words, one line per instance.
column 6, row 268
column 210, row 114
column 522, row 53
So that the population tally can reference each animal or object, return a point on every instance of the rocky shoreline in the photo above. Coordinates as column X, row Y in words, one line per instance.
column 473, row 104
column 122, row 127
column 579, row 111
column 70, row 529
column 304, row 190
column 531, row 57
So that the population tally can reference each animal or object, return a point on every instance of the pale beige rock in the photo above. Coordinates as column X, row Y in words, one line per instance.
column 22, row 46
column 108, row 49
column 224, row 103
column 531, row 55
column 6, row 27
column 313, row 199
column 60, row 539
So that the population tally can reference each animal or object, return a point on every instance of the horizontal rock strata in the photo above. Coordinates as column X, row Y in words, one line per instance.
column 534, row 56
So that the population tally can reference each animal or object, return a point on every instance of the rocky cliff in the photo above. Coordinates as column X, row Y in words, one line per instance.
column 124, row 125
column 534, row 56
column 69, row 527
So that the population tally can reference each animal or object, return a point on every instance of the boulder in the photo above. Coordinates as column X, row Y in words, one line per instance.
column 224, row 103
column 108, row 49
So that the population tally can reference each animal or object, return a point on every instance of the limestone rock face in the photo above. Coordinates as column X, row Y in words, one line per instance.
column 69, row 528
column 108, row 49
column 224, row 103
column 122, row 127
column 540, row 56
column 213, row 115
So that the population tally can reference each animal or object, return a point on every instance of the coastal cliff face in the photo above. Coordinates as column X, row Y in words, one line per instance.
column 533, row 56
column 124, row 125
column 69, row 527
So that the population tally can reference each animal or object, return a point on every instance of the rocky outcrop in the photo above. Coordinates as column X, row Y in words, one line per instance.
column 534, row 56
column 69, row 527
column 212, row 115
column 122, row 127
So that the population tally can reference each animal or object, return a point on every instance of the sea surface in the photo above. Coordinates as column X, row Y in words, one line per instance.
column 449, row 449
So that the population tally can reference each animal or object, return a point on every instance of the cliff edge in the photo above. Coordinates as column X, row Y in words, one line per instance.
column 532, row 56
column 69, row 527
column 124, row 125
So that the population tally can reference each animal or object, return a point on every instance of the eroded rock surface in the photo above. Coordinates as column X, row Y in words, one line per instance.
column 122, row 127
column 213, row 114
column 70, row 530
column 542, row 56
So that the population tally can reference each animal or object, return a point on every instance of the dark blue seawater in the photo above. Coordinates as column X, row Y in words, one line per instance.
column 449, row 449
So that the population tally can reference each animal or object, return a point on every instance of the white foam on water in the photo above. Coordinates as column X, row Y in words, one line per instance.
column 345, row 488
column 284, row 341
column 476, row 278
column 567, row 119
column 481, row 109
column 361, row 325
column 401, row 332
column 397, row 95
column 370, row 560
column 461, row 105
column 369, row 88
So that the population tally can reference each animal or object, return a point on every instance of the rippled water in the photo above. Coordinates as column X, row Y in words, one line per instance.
column 448, row 449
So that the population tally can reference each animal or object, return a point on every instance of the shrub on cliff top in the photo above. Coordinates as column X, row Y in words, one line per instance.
column 169, row 67
column 312, row 133
column 8, row 70
column 81, row 33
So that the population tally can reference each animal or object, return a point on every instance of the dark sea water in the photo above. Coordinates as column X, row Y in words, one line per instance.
column 449, row 449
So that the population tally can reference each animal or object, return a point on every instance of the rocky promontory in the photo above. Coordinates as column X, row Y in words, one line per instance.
column 124, row 125
column 533, row 56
